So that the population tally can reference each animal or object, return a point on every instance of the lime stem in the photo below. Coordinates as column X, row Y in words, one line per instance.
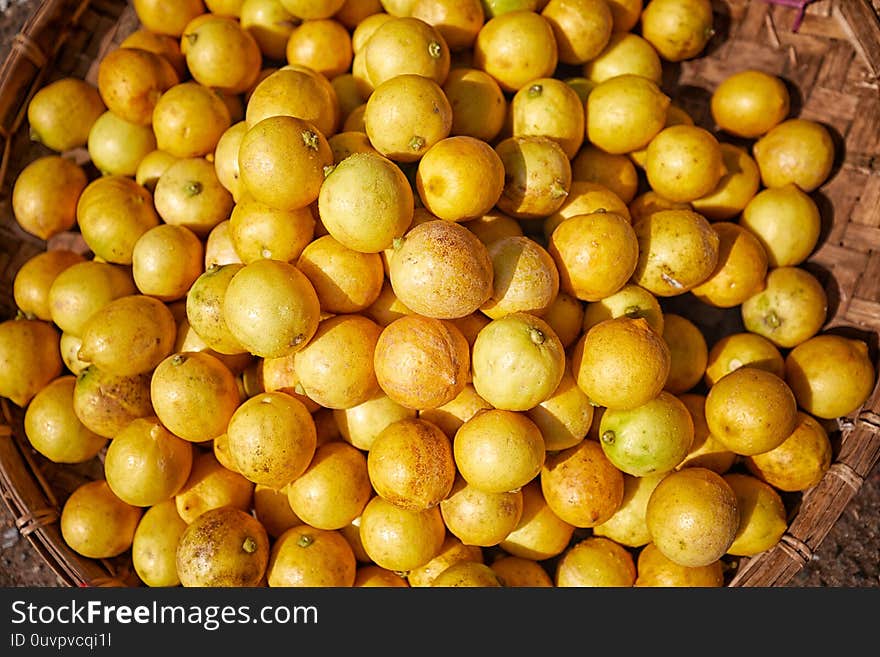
column 537, row 335
column 608, row 437
column 310, row 139
column 249, row 545
column 558, row 189
column 305, row 540
column 633, row 312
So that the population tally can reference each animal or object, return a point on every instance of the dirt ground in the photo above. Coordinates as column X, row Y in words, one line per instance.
column 848, row 557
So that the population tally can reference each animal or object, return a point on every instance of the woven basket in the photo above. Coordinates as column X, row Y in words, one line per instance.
column 828, row 52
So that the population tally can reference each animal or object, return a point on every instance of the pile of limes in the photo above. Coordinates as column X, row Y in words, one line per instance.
column 377, row 293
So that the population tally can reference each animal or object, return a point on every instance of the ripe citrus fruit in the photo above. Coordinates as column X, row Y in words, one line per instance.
column 306, row 556
column 670, row 425
column 146, row 464
column 478, row 517
column 272, row 438
column 333, row 490
column 517, row 362
column 45, row 195
column 625, row 112
column 441, row 269
column 194, row 394
column 499, row 450
column 799, row 462
column 515, row 47
column 31, row 356
column 53, row 428
column 581, row 485
column 95, row 523
column 678, row 29
column 830, row 375
column 271, row 308
column 607, row 369
column 596, row 561
column 799, row 151
column 749, row 103
column 692, row 516
column 751, row 410
column 410, row 464
column 62, row 112
column 223, row 547
column 422, row 362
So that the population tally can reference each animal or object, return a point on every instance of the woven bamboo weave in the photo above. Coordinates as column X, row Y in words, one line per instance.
column 827, row 51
